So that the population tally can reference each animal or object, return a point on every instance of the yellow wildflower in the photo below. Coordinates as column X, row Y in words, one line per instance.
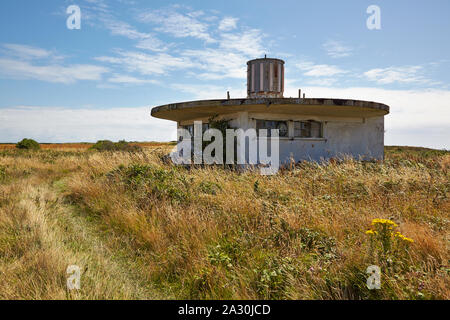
column 399, row 235
column 408, row 239
column 388, row 222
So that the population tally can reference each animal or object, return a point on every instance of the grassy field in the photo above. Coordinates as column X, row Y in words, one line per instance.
column 141, row 228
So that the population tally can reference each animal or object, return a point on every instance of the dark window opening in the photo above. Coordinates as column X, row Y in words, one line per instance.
column 282, row 126
column 307, row 129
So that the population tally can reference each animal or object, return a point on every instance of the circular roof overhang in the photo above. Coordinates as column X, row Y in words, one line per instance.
column 289, row 106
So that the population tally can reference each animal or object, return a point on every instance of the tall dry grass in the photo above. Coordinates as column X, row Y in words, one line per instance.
column 144, row 228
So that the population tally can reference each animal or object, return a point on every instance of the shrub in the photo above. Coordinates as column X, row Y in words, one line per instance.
column 227, row 252
column 28, row 144
column 122, row 145
column 209, row 187
column 272, row 277
column 159, row 182
column 315, row 240
column 217, row 256
column 103, row 145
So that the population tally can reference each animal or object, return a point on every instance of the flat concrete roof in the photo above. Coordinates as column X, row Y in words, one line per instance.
column 190, row 110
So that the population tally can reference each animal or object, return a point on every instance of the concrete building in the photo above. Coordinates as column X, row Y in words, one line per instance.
column 309, row 128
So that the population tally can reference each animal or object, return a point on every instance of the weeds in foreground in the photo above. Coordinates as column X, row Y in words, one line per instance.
column 142, row 228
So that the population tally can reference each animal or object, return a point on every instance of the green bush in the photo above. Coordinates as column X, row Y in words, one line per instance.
column 272, row 277
column 209, row 187
column 159, row 182
column 28, row 144
column 122, row 145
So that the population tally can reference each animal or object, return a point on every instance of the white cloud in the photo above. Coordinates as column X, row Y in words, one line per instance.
column 228, row 23
column 52, row 124
column 26, row 52
column 91, row 11
column 319, row 70
column 337, row 49
column 147, row 41
column 99, row 13
column 218, row 64
column 229, row 60
column 147, row 64
column 152, row 44
column 27, row 62
column 50, row 73
column 123, row 29
column 98, row 3
column 248, row 42
column 126, row 79
column 409, row 74
column 177, row 24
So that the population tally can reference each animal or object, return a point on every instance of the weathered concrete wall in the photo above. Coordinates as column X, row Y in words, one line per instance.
column 360, row 139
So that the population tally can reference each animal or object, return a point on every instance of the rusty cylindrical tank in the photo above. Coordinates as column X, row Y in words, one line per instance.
column 265, row 78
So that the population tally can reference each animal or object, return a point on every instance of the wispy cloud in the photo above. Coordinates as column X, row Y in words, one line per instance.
column 25, row 52
column 152, row 43
column 147, row 64
column 123, row 29
column 228, row 60
column 17, row 69
column 228, row 23
column 179, row 25
column 126, row 79
column 337, row 49
column 146, row 41
column 248, row 42
column 27, row 62
column 319, row 70
column 217, row 60
column 218, row 64
column 408, row 74
column 98, row 13
column 225, row 52
column 98, row 3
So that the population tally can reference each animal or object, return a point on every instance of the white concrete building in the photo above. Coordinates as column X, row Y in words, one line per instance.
column 309, row 128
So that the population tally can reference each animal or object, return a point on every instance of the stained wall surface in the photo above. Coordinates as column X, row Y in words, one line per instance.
column 361, row 139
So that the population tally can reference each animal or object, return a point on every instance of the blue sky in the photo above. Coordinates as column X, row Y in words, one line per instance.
column 99, row 82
